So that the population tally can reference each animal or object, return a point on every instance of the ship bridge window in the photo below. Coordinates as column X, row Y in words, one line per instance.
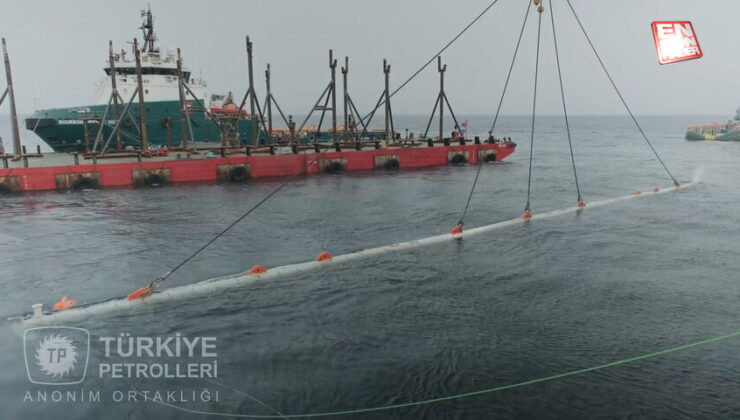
column 149, row 71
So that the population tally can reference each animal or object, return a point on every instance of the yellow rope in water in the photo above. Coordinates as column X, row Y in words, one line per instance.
column 467, row 394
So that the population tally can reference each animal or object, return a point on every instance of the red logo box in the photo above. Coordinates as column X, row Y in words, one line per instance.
column 675, row 41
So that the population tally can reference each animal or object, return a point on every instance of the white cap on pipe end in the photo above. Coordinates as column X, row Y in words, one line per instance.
column 37, row 308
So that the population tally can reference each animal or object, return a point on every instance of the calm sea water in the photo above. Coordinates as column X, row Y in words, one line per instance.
column 521, row 303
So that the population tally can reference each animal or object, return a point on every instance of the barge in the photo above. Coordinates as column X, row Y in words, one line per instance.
column 66, row 174
column 219, row 140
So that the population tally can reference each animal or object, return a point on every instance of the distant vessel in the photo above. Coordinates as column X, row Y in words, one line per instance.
column 63, row 128
column 729, row 131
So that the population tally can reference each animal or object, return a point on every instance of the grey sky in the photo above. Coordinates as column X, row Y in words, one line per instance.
column 58, row 50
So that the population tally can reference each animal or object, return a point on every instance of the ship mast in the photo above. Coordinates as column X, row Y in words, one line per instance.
column 148, row 28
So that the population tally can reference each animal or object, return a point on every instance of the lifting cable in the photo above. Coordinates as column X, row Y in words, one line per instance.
column 565, row 110
column 159, row 280
column 472, row 22
column 498, row 110
column 675, row 182
column 540, row 9
column 511, row 67
column 145, row 291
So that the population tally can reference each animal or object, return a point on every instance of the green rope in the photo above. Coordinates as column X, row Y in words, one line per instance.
column 467, row 394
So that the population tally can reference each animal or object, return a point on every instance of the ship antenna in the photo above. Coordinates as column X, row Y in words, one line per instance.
column 148, row 29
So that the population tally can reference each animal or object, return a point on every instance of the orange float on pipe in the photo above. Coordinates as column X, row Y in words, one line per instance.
column 656, row 189
column 64, row 304
column 638, row 192
column 527, row 214
column 140, row 293
column 324, row 256
column 257, row 269
column 581, row 204
column 457, row 229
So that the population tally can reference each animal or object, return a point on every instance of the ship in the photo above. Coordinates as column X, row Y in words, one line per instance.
column 729, row 131
column 74, row 129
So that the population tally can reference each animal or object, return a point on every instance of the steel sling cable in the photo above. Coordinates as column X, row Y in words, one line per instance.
column 416, row 73
column 565, row 109
column 308, row 163
column 498, row 109
column 159, row 280
column 511, row 67
column 540, row 9
column 145, row 291
column 603, row 66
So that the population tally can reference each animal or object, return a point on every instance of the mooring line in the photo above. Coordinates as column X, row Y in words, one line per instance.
column 466, row 394
column 159, row 280
column 191, row 291
column 416, row 73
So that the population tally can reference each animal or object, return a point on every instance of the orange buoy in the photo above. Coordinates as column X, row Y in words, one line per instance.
column 527, row 214
column 140, row 293
column 656, row 189
column 257, row 269
column 64, row 304
column 457, row 229
column 324, row 256
column 676, row 184
column 638, row 192
column 581, row 204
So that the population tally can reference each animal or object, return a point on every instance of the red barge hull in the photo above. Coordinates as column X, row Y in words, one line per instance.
column 136, row 173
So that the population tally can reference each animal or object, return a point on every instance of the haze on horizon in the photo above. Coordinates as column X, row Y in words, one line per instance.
column 58, row 51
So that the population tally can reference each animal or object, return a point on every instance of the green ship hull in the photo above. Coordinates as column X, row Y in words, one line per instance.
column 729, row 131
column 64, row 130
column 729, row 136
column 692, row 135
